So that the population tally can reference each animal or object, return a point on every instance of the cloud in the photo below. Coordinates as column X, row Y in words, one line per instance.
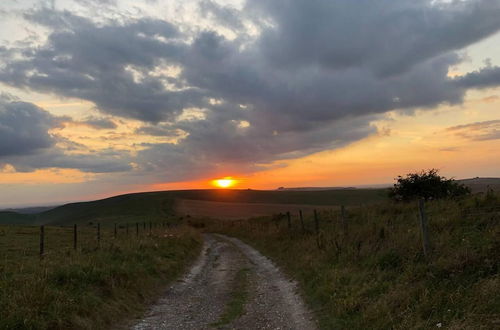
column 24, row 127
column 98, row 123
column 484, row 78
column 27, row 144
column 478, row 131
column 313, row 77
column 224, row 15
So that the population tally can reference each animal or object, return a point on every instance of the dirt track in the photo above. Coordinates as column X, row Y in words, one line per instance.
column 199, row 300
column 230, row 210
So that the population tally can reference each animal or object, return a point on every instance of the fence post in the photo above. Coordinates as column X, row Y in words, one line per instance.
column 42, row 240
column 99, row 234
column 423, row 226
column 289, row 220
column 115, row 231
column 343, row 218
column 316, row 225
column 150, row 228
column 302, row 221
column 126, row 229
column 137, row 229
column 75, row 237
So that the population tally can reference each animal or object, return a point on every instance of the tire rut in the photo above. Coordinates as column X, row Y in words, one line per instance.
column 199, row 299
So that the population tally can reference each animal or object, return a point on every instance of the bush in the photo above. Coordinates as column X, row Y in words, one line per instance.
column 426, row 184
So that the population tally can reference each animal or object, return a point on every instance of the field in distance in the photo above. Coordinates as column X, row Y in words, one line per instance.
column 153, row 206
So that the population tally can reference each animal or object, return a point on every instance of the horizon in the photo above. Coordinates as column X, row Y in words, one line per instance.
column 99, row 99
column 60, row 203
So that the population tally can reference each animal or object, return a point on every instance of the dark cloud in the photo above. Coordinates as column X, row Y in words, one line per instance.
column 224, row 15
column 384, row 36
column 313, row 79
column 106, row 161
column 99, row 123
column 23, row 127
column 478, row 131
column 91, row 62
column 484, row 78
column 27, row 144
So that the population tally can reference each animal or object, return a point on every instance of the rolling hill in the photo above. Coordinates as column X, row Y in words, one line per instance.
column 151, row 206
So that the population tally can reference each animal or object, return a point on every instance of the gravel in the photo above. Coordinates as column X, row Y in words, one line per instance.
column 199, row 299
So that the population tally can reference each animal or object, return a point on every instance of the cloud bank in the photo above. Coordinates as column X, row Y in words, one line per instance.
column 299, row 77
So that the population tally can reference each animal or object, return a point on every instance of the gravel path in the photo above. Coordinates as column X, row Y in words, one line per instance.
column 199, row 299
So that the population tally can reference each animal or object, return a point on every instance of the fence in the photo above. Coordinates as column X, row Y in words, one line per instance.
column 340, row 221
column 40, row 240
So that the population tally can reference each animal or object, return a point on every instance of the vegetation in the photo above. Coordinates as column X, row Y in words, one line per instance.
column 91, row 288
column 373, row 274
column 154, row 206
column 428, row 185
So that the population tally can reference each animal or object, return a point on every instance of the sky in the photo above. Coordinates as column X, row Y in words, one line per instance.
column 99, row 98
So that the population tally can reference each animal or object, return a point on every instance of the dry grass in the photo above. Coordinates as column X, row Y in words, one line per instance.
column 375, row 276
column 89, row 288
column 233, row 210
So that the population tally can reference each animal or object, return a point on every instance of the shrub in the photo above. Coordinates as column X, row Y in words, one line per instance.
column 426, row 184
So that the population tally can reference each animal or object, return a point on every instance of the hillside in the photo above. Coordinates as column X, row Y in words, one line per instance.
column 159, row 205
column 481, row 184
column 10, row 217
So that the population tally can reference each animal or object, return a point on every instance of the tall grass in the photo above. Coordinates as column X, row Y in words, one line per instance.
column 91, row 288
column 374, row 275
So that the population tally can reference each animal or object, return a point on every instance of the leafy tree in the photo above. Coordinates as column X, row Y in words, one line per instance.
column 426, row 184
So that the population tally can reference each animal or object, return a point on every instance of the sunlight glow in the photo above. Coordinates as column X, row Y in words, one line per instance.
column 224, row 182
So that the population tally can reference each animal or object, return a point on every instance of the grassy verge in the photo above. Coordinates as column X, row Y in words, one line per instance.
column 239, row 296
column 375, row 276
column 91, row 288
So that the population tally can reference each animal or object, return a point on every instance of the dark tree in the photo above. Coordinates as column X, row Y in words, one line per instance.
column 426, row 184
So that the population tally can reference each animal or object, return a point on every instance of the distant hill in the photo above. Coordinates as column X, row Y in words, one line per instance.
column 150, row 206
column 9, row 217
column 481, row 184
column 29, row 210
column 312, row 188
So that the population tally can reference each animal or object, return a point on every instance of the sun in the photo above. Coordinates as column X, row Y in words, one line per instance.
column 224, row 182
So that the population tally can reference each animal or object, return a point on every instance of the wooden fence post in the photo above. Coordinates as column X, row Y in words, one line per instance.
column 115, row 231
column 423, row 226
column 75, row 237
column 316, row 225
column 137, row 229
column 302, row 221
column 150, row 228
column 289, row 220
column 99, row 234
column 42, row 240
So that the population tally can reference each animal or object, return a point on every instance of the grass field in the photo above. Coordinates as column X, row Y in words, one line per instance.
column 374, row 275
column 154, row 206
column 98, row 285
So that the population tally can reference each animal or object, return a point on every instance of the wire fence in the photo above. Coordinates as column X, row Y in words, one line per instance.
column 345, row 222
column 41, row 240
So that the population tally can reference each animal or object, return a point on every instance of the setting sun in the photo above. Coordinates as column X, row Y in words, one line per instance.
column 224, row 182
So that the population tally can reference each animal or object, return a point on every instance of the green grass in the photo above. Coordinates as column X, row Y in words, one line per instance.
column 375, row 275
column 91, row 288
column 239, row 296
